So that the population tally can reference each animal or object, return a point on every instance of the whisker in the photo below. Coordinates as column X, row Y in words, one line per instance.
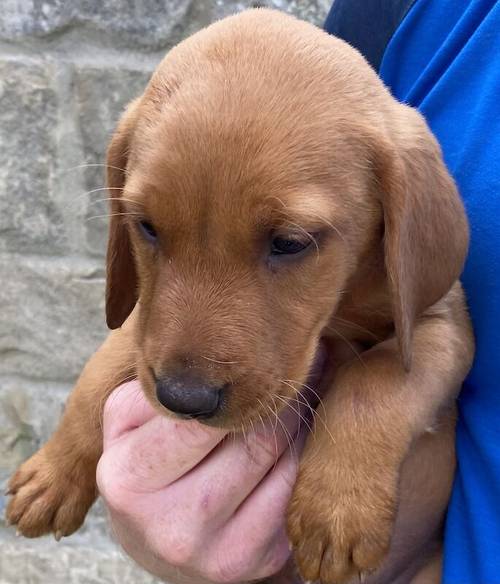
column 220, row 362
column 232, row 434
column 276, row 414
column 252, row 426
column 274, row 432
column 261, row 420
column 313, row 412
column 73, row 202
column 300, row 416
column 95, row 201
column 297, row 393
column 288, row 437
column 276, row 451
column 245, row 440
column 329, row 224
column 92, row 165
column 348, row 343
column 108, row 215
column 320, row 402
column 275, row 440
column 290, row 382
column 356, row 326
column 316, row 416
column 79, row 197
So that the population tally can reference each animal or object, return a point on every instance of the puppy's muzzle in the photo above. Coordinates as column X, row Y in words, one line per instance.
column 188, row 397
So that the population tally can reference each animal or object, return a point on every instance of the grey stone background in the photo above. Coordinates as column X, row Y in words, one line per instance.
column 67, row 69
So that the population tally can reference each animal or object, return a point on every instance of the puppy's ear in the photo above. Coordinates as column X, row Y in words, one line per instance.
column 426, row 232
column 121, row 277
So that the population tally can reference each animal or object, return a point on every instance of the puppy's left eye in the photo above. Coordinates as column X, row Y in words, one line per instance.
column 148, row 231
column 288, row 246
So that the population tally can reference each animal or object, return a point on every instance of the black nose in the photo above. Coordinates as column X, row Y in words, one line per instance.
column 190, row 398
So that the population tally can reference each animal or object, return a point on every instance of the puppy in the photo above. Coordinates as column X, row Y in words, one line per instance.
column 270, row 200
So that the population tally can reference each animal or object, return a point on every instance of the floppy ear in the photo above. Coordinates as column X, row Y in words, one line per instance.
column 426, row 232
column 121, row 276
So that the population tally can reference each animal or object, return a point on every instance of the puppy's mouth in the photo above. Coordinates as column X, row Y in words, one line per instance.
column 318, row 379
column 214, row 405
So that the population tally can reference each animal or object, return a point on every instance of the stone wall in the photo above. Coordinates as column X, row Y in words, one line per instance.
column 67, row 69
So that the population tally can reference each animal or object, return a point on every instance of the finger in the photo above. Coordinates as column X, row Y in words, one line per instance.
column 154, row 455
column 219, row 485
column 260, row 523
column 126, row 408
column 271, row 497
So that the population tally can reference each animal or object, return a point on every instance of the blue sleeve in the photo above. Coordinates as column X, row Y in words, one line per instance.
column 444, row 59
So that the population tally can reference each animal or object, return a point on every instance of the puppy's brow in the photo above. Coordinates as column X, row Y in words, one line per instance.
column 140, row 195
column 308, row 211
column 131, row 205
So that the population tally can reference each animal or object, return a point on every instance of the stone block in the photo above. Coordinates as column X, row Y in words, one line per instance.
column 29, row 413
column 314, row 11
column 130, row 23
column 52, row 315
column 137, row 24
column 203, row 13
column 30, row 220
column 86, row 560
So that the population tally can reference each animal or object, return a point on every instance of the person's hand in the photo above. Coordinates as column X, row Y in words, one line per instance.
column 190, row 503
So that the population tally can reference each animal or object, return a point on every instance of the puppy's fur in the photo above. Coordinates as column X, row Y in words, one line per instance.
column 256, row 127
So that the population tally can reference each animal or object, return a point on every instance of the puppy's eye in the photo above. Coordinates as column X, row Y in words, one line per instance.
column 288, row 246
column 147, row 231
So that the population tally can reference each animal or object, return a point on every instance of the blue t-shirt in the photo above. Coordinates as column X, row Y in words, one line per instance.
column 444, row 58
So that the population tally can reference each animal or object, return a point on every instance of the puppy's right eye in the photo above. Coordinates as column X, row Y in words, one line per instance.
column 288, row 246
column 148, row 231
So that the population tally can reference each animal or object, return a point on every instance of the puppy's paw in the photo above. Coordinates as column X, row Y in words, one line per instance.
column 340, row 530
column 49, row 497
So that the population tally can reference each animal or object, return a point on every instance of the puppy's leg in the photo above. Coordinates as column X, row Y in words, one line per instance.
column 344, row 504
column 424, row 490
column 55, row 488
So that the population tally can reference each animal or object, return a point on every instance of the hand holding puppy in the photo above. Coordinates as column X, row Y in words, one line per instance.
column 192, row 503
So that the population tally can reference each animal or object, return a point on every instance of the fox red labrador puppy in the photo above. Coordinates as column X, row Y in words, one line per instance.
column 271, row 203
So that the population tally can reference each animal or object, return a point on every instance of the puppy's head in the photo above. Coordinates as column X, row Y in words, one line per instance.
column 262, row 170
